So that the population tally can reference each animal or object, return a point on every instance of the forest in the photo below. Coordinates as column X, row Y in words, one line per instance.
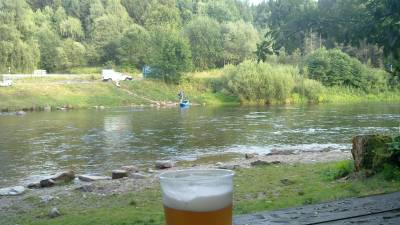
column 337, row 42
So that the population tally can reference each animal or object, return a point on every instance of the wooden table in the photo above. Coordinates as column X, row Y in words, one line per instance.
column 372, row 210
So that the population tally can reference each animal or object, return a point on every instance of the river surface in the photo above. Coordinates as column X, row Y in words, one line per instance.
column 96, row 142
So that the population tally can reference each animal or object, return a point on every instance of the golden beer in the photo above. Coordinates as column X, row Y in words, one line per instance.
column 179, row 217
column 197, row 197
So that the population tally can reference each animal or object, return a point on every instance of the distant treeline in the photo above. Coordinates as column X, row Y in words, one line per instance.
column 174, row 36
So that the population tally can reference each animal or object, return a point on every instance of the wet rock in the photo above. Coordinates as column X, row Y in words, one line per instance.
column 12, row 191
column 137, row 176
column 20, row 113
column 86, row 188
column 164, row 165
column 118, row 174
column 264, row 163
column 91, row 178
column 370, row 152
column 150, row 170
column 250, row 156
column 131, row 169
column 54, row 213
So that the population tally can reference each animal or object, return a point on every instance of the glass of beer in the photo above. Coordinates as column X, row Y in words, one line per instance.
column 197, row 197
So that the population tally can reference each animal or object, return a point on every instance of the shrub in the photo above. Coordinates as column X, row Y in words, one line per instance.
column 391, row 172
column 261, row 83
column 335, row 68
column 311, row 89
column 339, row 170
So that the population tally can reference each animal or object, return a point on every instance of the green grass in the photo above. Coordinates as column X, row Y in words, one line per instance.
column 255, row 189
column 351, row 95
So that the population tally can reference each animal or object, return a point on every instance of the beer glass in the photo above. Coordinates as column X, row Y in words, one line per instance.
column 197, row 197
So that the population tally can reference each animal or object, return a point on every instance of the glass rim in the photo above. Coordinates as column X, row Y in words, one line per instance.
column 225, row 174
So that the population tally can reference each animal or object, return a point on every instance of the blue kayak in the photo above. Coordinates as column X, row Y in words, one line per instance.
column 184, row 104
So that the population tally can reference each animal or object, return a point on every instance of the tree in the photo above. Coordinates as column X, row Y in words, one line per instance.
column 265, row 48
column 239, row 41
column 134, row 46
column 205, row 39
column 170, row 55
column 71, row 28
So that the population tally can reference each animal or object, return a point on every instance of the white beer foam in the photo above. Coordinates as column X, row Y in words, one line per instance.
column 198, row 199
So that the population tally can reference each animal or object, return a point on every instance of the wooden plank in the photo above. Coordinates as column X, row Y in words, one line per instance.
column 386, row 218
column 325, row 212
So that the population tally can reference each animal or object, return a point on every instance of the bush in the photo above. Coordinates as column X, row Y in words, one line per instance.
column 339, row 170
column 335, row 68
column 311, row 89
column 261, row 83
column 391, row 172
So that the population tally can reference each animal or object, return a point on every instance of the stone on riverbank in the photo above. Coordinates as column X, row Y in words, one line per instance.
column 264, row 163
column 229, row 167
column 370, row 152
column 54, row 213
column 47, row 183
column 161, row 165
column 118, row 174
column 12, row 191
column 91, row 178
column 64, row 177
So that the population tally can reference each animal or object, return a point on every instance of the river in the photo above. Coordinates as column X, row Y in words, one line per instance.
column 96, row 142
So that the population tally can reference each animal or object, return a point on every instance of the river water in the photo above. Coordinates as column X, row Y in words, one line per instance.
column 97, row 142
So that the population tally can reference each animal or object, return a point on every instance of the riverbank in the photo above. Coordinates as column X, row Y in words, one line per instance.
column 296, row 180
column 87, row 91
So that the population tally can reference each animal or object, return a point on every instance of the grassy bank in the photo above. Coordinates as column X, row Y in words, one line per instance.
column 256, row 189
column 85, row 91
column 88, row 91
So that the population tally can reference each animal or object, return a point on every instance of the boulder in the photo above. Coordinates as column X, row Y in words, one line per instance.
column 118, row 174
column 54, row 213
column 370, row 152
column 47, row 183
column 131, row 169
column 11, row 191
column 264, row 163
column 161, row 165
column 90, row 178
column 219, row 164
column 64, row 177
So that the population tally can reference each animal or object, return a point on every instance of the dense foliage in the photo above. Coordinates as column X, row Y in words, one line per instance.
column 335, row 68
column 59, row 35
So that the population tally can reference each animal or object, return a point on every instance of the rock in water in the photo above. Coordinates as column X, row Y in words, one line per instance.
column 164, row 165
column 54, row 213
column 370, row 151
column 11, row 191
column 118, row 174
column 90, row 178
